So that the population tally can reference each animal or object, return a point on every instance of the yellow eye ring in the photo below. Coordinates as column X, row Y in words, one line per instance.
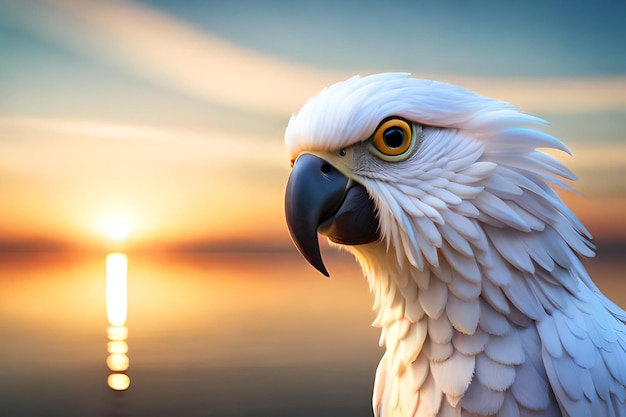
column 393, row 137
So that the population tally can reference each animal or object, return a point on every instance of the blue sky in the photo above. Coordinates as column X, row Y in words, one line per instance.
column 529, row 38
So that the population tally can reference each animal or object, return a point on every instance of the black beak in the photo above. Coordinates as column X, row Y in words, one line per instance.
column 318, row 196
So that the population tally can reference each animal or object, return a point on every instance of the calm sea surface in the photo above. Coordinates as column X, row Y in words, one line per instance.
column 208, row 335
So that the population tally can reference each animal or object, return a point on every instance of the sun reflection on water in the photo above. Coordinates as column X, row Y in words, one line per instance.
column 117, row 306
column 118, row 382
column 116, row 288
column 118, row 362
column 117, row 346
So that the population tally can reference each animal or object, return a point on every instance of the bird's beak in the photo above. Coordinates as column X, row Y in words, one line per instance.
column 320, row 199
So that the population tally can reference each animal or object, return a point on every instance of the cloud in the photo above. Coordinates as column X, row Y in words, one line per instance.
column 561, row 94
column 154, row 46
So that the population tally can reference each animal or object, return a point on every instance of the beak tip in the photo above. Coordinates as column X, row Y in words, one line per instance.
column 314, row 257
column 324, row 272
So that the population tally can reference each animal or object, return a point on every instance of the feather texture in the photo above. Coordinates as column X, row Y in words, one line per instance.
column 484, row 305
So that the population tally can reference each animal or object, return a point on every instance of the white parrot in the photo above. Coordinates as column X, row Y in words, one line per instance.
column 473, row 260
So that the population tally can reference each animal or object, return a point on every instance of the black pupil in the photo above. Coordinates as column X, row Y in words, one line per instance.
column 394, row 137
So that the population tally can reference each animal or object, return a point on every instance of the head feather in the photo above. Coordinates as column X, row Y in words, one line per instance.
column 349, row 111
column 479, row 159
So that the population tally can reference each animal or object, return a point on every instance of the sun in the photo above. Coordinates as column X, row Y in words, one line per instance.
column 117, row 229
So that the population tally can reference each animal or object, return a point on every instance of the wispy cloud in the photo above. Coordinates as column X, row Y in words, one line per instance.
column 572, row 94
column 187, row 60
column 154, row 46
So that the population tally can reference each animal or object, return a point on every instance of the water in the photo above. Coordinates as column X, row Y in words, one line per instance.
column 219, row 335
column 241, row 334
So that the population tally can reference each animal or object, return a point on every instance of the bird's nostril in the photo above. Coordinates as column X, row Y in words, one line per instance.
column 325, row 168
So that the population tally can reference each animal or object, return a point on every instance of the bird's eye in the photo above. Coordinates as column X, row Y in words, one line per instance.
column 393, row 137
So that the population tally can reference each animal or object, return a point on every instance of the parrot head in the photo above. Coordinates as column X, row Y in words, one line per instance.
column 401, row 161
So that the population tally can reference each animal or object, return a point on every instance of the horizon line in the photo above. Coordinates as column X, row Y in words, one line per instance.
column 604, row 247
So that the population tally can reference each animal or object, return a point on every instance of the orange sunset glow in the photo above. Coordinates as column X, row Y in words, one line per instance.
column 146, row 268
column 195, row 153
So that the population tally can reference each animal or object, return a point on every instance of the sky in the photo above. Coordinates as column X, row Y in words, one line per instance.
column 170, row 115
